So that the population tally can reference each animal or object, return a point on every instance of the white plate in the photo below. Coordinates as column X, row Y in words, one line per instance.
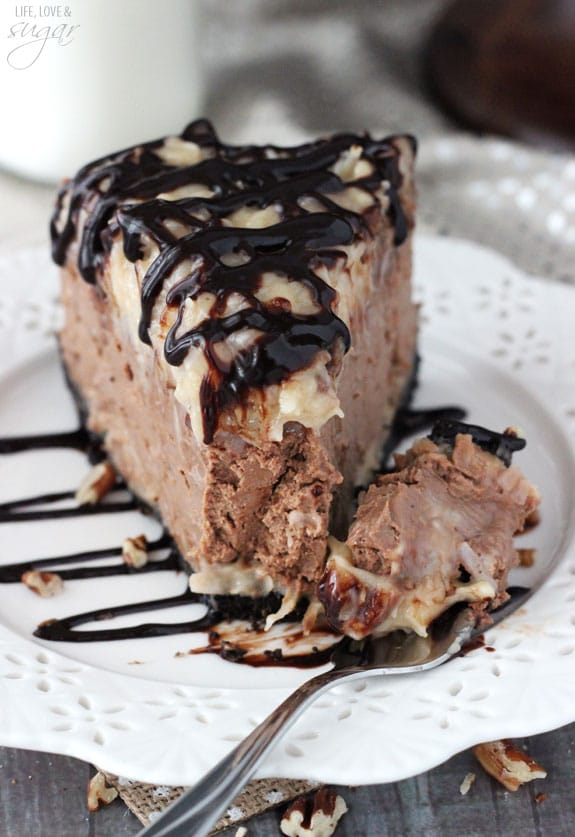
column 495, row 341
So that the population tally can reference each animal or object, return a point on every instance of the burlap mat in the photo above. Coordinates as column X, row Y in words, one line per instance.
column 148, row 801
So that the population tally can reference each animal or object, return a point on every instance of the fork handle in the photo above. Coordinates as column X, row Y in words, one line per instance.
column 198, row 809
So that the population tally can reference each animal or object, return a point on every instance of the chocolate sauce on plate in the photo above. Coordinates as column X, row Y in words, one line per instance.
column 22, row 510
column 75, row 439
column 220, row 611
column 11, row 573
column 503, row 445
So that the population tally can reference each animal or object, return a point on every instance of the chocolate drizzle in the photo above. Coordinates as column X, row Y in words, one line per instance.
column 64, row 630
column 501, row 445
column 219, row 612
column 120, row 195
column 25, row 509
column 76, row 440
column 12, row 573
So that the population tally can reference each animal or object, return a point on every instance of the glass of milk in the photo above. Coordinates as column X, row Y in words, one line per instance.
column 84, row 78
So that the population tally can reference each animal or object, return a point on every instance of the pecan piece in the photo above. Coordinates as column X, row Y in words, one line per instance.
column 99, row 793
column 318, row 819
column 96, row 484
column 465, row 786
column 526, row 557
column 507, row 763
column 43, row 583
column 135, row 551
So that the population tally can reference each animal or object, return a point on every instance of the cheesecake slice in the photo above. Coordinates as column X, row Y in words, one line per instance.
column 437, row 531
column 240, row 331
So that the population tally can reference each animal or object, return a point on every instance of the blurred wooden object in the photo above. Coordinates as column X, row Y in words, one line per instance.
column 507, row 66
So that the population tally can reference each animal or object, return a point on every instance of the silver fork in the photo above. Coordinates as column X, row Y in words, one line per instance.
column 199, row 808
